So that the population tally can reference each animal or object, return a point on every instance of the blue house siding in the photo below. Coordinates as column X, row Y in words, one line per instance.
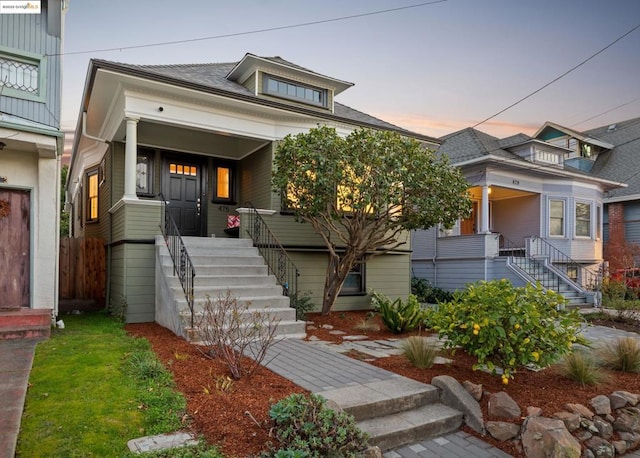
column 26, row 35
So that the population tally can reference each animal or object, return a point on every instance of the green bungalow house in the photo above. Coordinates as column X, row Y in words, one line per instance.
column 197, row 142
column 539, row 211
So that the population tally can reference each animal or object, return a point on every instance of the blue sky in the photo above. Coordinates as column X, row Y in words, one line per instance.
column 433, row 69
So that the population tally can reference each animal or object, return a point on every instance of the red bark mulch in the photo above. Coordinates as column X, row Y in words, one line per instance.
column 227, row 418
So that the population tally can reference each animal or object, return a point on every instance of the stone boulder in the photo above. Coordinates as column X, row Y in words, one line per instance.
column 580, row 410
column 628, row 420
column 502, row 405
column 605, row 430
column 601, row 405
column 544, row 437
column 571, row 420
column 600, row 447
column 452, row 394
column 474, row 389
column 502, row 430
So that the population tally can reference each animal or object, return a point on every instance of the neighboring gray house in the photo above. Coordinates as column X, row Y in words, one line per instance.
column 537, row 213
column 31, row 145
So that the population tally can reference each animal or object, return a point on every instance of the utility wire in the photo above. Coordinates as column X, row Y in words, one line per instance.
column 559, row 77
column 605, row 112
column 252, row 32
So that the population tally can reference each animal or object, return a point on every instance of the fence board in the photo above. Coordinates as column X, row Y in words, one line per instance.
column 82, row 269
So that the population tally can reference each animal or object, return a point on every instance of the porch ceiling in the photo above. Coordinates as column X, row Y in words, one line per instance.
column 498, row 193
column 196, row 141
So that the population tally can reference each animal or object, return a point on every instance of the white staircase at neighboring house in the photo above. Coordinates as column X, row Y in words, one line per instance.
column 536, row 270
column 221, row 265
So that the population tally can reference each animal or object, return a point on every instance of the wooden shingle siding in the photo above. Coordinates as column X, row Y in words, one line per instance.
column 28, row 32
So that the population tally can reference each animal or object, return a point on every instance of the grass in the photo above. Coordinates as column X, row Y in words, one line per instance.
column 582, row 368
column 419, row 352
column 92, row 389
column 622, row 355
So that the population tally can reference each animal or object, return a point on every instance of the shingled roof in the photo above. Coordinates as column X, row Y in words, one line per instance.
column 469, row 143
column 622, row 163
column 213, row 77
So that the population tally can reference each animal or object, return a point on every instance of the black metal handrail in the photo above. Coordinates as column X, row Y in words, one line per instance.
column 582, row 277
column 507, row 247
column 182, row 264
column 279, row 263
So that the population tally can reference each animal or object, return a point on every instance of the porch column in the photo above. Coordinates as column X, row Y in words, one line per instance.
column 484, row 212
column 130, row 161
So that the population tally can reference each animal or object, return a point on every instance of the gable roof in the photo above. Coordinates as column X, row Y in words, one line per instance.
column 212, row 78
column 469, row 143
column 582, row 136
column 622, row 163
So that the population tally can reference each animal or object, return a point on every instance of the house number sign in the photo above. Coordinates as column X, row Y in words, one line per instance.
column 516, row 182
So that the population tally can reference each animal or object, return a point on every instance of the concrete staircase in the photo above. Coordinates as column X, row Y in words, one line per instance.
column 24, row 323
column 539, row 272
column 221, row 265
column 397, row 412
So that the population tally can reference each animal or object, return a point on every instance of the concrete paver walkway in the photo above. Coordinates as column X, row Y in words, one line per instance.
column 16, row 358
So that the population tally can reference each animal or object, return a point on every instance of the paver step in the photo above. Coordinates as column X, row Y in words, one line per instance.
column 411, row 425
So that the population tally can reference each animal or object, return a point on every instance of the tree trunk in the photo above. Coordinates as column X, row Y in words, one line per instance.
column 337, row 271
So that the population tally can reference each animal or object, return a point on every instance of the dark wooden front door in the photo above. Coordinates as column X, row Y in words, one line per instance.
column 15, row 214
column 468, row 225
column 182, row 189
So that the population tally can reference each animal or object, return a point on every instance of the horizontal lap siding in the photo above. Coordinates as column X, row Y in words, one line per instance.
column 142, row 222
column 423, row 244
column 461, row 246
column 387, row 274
column 453, row 275
column 140, row 283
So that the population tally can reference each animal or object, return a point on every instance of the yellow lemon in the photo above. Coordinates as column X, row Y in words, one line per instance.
column 517, row 326
column 476, row 332
column 463, row 326
column 535, row 355
column 476, row 326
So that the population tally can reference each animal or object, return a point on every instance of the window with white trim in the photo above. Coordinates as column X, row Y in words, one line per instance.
column 583, row 219
column 279, row 87
column 22, row 75
column 354, row 284
column 556, row 218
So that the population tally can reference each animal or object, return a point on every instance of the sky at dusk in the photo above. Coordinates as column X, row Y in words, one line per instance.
column 433, row 69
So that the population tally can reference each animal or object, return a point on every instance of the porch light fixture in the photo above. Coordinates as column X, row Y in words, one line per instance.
column 489, row 190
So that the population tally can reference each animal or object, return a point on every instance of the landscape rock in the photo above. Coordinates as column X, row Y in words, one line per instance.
column 474, row 389
column 601, row 405
column 454, row 395
column 605, row 430
column 628, row 421
column 600, row 447
column 502, row 405
column 534, row 411
column 571, row 420
column 580, row 410
column 620, row 446
column 502, row 430
column 583, row 435
column 545, row 437
column 632, row 439
column 588, row 454
column 617, row 401
column 632, row 399
column 589, row 426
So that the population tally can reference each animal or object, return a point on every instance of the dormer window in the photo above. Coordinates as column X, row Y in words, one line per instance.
column 279, row 87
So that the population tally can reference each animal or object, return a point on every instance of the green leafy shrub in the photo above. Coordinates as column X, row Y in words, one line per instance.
column 425, row 292
column 613, row 291
column 627, row 311
column 305, row 427
column 508, row 327
column 303, row 305
column 622, row 355
column 398, row 316
column 582, row 368
column 419, row 352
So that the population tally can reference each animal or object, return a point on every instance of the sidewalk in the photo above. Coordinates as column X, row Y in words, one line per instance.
column 16, row 357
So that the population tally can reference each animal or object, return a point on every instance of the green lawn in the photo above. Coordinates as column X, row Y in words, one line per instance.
column 93, row 388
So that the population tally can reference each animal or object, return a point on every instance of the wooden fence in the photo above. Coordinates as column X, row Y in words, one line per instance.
column 83, row 269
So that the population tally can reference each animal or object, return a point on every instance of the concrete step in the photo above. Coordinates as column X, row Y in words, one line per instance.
column 396, row 412
column 213, row 242
column 213, row 270
column 411, row 426
column 282, row 313
column 284, row 329
column 276, row 301
column 237, row 291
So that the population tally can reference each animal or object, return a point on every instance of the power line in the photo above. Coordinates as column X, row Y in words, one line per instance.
column 605, row 112
column 252, row 32
column 559, row 77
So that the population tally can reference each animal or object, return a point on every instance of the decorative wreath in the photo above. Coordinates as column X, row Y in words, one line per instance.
column 5, row 208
